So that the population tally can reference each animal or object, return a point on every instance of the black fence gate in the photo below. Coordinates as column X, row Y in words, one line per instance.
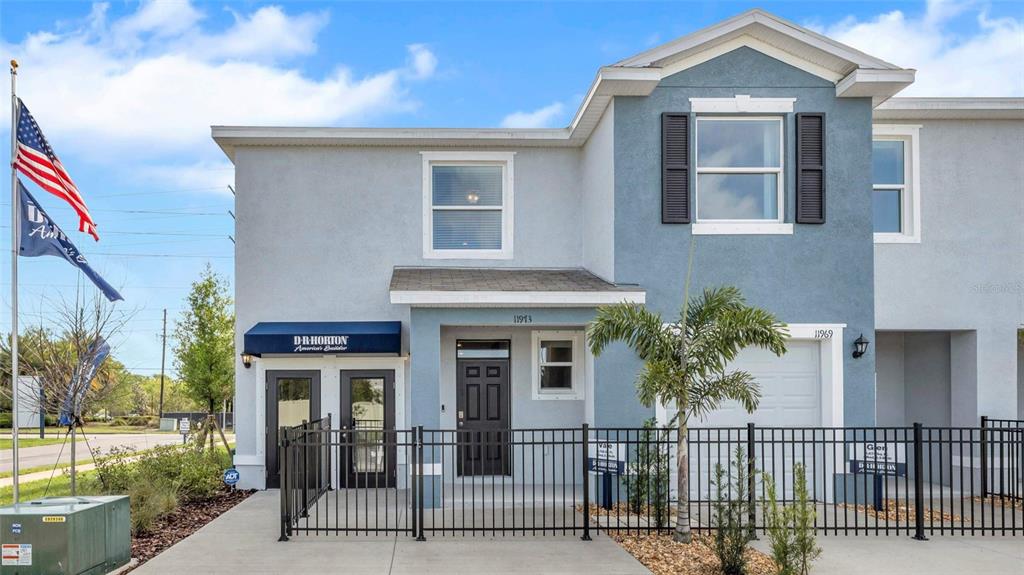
column 914, row 481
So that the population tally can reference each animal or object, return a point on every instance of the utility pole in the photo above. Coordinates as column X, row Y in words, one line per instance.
column 163, row 357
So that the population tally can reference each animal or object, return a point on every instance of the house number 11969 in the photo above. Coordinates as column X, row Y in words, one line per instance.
column 823, row 334
column 522, row 318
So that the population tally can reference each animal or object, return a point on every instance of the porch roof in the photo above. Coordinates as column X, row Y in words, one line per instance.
column 472, row 287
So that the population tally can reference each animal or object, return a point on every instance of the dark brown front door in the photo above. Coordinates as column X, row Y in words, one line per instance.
column 369, row 448
column 293, row 398
column 483, row 416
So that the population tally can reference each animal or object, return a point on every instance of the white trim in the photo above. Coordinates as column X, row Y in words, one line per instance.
column 780, row 181
column 515, row 298
column 950, row 109
column 879, row 85
column 748, row 41
column 729, row 228
column 752, row 19
column 742, row 103
column 910, row 210
column 503, row 159
column 576, row 393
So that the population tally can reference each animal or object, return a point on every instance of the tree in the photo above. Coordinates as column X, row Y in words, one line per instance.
column 686, row 361
column 204, row 350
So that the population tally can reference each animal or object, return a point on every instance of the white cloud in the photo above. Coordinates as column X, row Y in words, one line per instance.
column 540, row 118
column 422, row 60
column 149, row 85
column 985, row 61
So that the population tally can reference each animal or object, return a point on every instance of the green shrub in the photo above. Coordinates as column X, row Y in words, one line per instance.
column 791, row 529
column 647, row 483
column 150, row 501
column 731, row 505
column 158, row 479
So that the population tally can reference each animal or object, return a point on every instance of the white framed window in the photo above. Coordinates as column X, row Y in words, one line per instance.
column 467, row 205
column 740, row 175
column 557, row 365
column 895, row 178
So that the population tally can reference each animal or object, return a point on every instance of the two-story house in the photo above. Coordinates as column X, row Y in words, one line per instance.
column 444, row 277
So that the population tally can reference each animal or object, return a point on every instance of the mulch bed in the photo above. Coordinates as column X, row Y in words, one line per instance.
column 182, row 522
column 905, row 513
column 1000, row 502
column 663, row 556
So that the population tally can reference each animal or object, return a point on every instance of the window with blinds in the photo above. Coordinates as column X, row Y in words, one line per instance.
column 468, row 206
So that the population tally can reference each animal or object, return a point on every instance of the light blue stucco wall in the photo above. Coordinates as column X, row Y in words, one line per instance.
column 425, row 344
column 820, row 274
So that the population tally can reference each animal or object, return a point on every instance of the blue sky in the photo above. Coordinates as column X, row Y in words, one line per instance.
column 126, row 92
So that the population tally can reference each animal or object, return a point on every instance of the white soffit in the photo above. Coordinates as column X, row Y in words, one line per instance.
column 515, row 298
column 951, row 109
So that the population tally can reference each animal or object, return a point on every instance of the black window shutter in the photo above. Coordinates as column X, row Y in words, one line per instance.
column 810, row 168
column 675, row 168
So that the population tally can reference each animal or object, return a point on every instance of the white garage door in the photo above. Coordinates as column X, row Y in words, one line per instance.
column 790, row 388
column 790, row 397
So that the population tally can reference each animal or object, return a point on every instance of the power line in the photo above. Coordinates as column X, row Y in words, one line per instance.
column 114, row 254
column 137, row 233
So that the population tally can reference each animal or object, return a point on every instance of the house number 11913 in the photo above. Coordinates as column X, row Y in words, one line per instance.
column 522, row 318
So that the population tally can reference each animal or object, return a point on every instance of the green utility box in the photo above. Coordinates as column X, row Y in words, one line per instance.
column 65, row 535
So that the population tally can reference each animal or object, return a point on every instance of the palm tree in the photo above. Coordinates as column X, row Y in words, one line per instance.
column 687, row 361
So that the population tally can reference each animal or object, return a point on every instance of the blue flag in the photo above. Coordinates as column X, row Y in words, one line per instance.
column 40, row 236
column 81, row 381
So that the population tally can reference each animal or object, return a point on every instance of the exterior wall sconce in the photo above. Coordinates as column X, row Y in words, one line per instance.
column 247, row 360
column 860, row 346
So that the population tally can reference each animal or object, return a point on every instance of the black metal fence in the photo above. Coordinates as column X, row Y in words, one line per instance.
column 914, row 481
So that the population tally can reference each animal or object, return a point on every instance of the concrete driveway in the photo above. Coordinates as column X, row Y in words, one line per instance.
column 30, row 457
column 244, row 540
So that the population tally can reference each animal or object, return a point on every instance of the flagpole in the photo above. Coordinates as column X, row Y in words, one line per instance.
column 15, row 220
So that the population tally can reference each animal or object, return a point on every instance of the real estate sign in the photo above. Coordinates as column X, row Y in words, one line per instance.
column 607, row 457
column 880, row 458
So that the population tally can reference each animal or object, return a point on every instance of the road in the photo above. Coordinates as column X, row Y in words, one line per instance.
column 47, row 455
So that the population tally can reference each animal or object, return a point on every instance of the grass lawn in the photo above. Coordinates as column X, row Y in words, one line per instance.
column 90, row 429
column 60, row 486
column 32, row 441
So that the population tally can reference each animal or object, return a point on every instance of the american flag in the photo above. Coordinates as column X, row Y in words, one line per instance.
column 35, row 159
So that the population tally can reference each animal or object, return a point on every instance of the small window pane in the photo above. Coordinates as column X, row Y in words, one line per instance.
column 466, row 185
column 556, row 377
column 467, row 230
column 738, row 143
column 738, row 197
column 887, row 162
column 556, row 351
column 888, row 212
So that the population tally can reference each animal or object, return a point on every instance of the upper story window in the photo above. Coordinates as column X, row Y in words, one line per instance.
column 739, row 170
column 467, row 205
column 894, row 176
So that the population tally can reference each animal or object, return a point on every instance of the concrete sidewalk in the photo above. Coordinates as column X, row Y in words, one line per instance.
column 902, row 555
column 244, row 540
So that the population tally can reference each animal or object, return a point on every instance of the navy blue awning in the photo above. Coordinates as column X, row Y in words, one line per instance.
column 327, row 337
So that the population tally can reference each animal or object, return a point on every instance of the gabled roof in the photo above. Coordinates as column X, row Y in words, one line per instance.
column 835, row 60
column 855, row 74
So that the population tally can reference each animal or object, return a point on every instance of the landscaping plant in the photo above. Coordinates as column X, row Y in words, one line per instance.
column 647, row 480
column 158, row 479
column 790, row 528
column 731, row 504
column 686, row 361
